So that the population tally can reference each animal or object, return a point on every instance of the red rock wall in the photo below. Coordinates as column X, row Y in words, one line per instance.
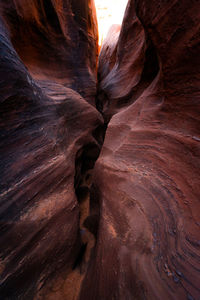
column 147, row 176
column 56, row 40
column 128, row 227
column 44, row 128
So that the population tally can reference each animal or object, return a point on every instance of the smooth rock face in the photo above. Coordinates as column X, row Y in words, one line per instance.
column 56, row 40
column 128, row 227
column 44, row 128
column 147, row 176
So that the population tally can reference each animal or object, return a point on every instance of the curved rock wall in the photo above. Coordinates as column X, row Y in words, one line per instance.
column 44, row 127
column 57, row 40
column 147, row 176
column 126, row 227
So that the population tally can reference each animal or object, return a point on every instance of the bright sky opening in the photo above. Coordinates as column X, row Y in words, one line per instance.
column 109, row 12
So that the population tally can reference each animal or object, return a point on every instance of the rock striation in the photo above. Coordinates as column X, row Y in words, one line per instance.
column 45, row 127
column 147, row 176
column 127, row 226
column 56, row 40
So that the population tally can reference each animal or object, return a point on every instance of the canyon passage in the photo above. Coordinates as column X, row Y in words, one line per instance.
column 99, row 152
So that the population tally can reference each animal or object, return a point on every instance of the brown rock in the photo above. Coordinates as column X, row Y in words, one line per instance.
column 147, row 176
column 44, row 128
column 57, row 40
column 128, row 227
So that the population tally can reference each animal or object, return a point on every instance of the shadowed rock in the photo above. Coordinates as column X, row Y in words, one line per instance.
column 57, row 40
column 43, row 125
column 147, row 176
column 126, row 227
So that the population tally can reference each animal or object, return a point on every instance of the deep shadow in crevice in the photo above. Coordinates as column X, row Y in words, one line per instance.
column 84, row 164
column 52, row 16
column 108, row 107
column 80, row 256
column 87, row 197
column 92, row 221
column 99, row 134
column 85, row 161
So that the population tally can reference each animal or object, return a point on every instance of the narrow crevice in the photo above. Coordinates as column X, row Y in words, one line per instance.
column 85, row 161
column 92, row 221
column 86, row 191
column 99, row 133
column 80, row 256
column 89, row 206
column 108, row 107
column 85, row 188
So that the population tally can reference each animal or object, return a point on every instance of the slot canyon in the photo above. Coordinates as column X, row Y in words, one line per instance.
column 99, row 151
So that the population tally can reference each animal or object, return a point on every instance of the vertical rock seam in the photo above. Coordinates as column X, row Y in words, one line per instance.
column 147, row 175
column 99, row 191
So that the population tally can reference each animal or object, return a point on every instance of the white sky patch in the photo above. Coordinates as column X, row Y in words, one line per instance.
column 109, row 12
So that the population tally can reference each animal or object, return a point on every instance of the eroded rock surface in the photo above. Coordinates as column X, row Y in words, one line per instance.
column 127, row 227
column 147, row 176
column 45, row 126
column 57, row 40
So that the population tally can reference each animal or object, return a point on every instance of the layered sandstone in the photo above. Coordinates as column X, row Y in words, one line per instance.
column 48, row 64
column 147, row 176
column 126, row 227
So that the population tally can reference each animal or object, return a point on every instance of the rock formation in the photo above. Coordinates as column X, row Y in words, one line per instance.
column 147, row 176
column 127, row 227
column 46, row 126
